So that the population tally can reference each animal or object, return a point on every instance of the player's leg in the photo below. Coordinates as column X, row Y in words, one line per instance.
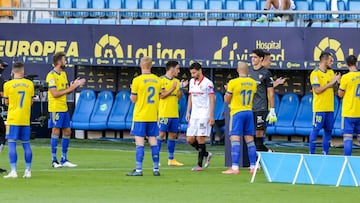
column 2, row 139
column 236, row 130
column 268, row 4
column 328, row 128
column 357, row 129
column 318, row 123
column 138, row 130
column 171, row 143
column 260, row 123
column 152, row 131
column 55, row 133
column 190, row 134
column 65, row 142
column 204, row 132
column 249, row 131
column 164, row 126
column 25, row 139
column 12, row 136
column 348, row 128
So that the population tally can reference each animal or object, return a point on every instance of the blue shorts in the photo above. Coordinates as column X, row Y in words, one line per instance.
column 350, row 125
column 15, row 132
column 323, row 120
column 59, row 120
column 170, row 125
column 143, row 129
column 242, row 123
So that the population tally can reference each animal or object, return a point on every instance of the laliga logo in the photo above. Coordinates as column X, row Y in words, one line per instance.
column 331, row 44
column 106, row 47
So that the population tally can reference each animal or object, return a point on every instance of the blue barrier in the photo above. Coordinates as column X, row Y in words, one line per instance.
column 310, row 169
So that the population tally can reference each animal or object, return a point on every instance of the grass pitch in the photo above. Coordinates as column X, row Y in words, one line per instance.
column 100, row 177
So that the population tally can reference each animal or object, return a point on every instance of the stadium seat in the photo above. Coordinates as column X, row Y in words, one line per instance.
column 287, row 112
column 303, row 121
column 101, row 112
column 131, row 4
column 164, row 5
column 331, row 24
column 208, row 23
column 129, row 116
column 349, row 25
column 277, row 24
column 147, row 4
column 250, row 5
column 315, row 24
column 158, row 22
column 43, row 20
column 191, row 22
column 117, row 118
column 197, row 5
column 353, row 5
column 93, row 21
column 58, row 21
column 303, row 5
column 181, row 5
column 75, row 21
column 84, row 106
column 337, row 125
column 320, row 5
column 243, row 23
column 141, row 22
column 182, row 112
column 341, row 6
column 113, row 4
column 290, row 24
column 65, row 4
column 225, row 23
column 81, row 4
column 98, row 4
column 174, row 22
column 216, row 5
column 107, row 21
column 219, row 106
column 270, row 129
column 126, row 22
column 232, row 5
column 260, row 24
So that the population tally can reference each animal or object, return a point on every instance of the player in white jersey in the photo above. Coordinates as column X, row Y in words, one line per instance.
column 201, row 105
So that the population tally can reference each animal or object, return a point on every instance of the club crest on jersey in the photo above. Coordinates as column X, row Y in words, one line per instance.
column 261, row 76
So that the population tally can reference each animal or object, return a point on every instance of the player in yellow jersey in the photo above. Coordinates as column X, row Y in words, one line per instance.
column 322, row 80
column 240, row 93
column 145, row 91
column 58, row 109
column 171, row 91
column 18, row 94
column 350, row 91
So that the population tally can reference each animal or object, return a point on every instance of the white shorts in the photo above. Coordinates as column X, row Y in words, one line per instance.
column 292, row 6
column 198, row 127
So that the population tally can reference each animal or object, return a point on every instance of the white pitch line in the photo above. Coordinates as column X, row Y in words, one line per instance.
column 112, row 169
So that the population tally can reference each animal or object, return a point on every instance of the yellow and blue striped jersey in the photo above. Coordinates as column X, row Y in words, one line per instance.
column 60, row 82
column 19, row 93
column 323, row 102
column 350, row 83
column 168, row 107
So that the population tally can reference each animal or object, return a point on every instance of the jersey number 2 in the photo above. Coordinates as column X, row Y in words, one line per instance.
column 246, row 96
column 151, row 91
column 22, row 95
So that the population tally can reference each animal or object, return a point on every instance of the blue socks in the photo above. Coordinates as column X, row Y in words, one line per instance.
column 326, row 139
column 348, row 145
column 27, row 155
column 312, row 139
column 12, row 154
column 65, row 146
column 54, row 142
column 139, row 157
column 235, row 154
column 155, row 157
column 171, row 147
column 159, row 142
column 251, row 152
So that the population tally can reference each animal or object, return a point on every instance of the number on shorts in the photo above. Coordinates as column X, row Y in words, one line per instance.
column 318, row 119
column 151, row 91
column 246, row 96
column 357, row 94
column 22, row 95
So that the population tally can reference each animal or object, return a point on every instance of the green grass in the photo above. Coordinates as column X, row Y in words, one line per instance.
column 100, row 177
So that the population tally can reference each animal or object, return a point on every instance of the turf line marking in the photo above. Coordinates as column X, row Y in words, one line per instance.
column 111, row 169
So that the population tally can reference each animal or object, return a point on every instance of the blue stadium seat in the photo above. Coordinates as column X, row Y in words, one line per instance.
column 164, row 5
column 65, row 4
column 349, row 25
column 93, row 21
column 174, row 22
column 277, row 24
column 250, row 5
column 232, row 5
column 197, row 5
column 131, row 4
column 101, row 112
column 84, row 106
column 337, row 124
column 316, row 24
column 113, row 4
column 182, row 112
column 342, row 6
column 81, row 4
column 225, row 23
column 208, row 23
column 290, row 24
column 98, row 4
column 303, row 121
column 58, row 21
column 158, row 22
column 353, row 5
column 117, row 118
column 260, row 24
column 107, row 21
column 191, row 23
column 43, row 20
column 75, row 21
column 303, row 5
column 147, row 4
column 243, row 23
column 129, row 116
column 219, row 106
column 141, row 22
column 331, row 24
column 126, row 22
column 270, row 130
column 216, row 5
column 320, row 5
column 285, row 121
column 181, row 5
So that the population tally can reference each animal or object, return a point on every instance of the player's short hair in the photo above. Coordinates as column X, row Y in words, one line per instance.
column 324, row 55
column 171, row 64
column 146, row 62
column 260, row 53
column 58, row 56
column 195, row 65
column 351, row 60
column 266, row 53
column 17, row 66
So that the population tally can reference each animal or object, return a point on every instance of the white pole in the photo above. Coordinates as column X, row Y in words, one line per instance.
column 298, row 169
column 342, row 172
column 256, row 168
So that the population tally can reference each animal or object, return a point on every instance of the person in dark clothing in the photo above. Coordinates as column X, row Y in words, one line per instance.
column 3, row 64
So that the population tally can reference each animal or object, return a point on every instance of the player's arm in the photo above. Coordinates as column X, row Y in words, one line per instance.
column 279, row 81
column 183, row 84
column 165, row 94
column 134, row 91
column 228, row 92
column 189, row 106
column 73, row 85
column 342, row 88
column 212, row 103
column 319, row 89
column 271, row 93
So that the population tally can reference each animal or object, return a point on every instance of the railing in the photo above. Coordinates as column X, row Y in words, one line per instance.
column 298, row 16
